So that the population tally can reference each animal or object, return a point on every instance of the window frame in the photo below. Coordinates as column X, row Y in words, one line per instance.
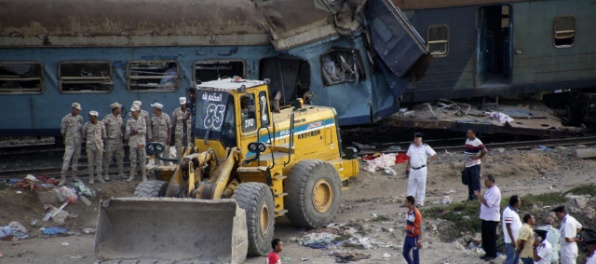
column 555, row 32
column 151, row 88
column 194, row 67
column 42, row 82
column 61, row 80
column 359, row 65
column 446, row 41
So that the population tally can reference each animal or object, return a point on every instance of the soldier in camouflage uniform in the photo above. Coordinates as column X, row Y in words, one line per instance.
column 145, row 115
column 160, row 125
column 114, row 144
column 94, row 132
column 180, row 126
column 70, row 129
column 136, row 129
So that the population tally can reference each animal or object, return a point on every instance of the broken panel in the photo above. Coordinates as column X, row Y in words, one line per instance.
column 341, row 66
column 21, row 77
column 85, row 76
column 214, row 70
column 152, row 75
column 289, row 76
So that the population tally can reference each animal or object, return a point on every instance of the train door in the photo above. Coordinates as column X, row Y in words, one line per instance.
column 495, row 43
column 289, row 76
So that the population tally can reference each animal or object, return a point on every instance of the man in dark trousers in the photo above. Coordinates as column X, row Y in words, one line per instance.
column 474, row 150
column 490, row 216
column 413, row 240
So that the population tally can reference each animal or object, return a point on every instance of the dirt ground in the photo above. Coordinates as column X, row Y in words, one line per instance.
column 377, row 194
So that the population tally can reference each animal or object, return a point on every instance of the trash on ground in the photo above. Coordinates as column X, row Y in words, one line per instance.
column 88, row 230
column 54, row 231
column 501, row 117
column 67, row 194
column 84, row 189
column 381, row 162
column 321, row 240
column 346, row 257
column 65, row 244
column 13, row 230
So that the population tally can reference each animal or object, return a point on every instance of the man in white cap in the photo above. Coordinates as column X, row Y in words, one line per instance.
column 114, row 145
column 136, row 129
column 180, row 125
column 160, row 126
column 94, row 132
column 70, row 129
column 145, row 115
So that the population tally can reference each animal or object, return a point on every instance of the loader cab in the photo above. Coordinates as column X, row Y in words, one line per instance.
column 229, row 113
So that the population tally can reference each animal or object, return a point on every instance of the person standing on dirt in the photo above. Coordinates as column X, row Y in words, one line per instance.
column 114, row 142
column 135, row 132
column 161, row 125
column 71, row 129
column 591, row 251
column 94, row 132
column 553, row 235
column 474, row 150
column 511, row 225
column 418, row 154
column 145, row 115
column 525, row 240
column 413, row 240
column 273, row 257
column 489, row 215
column 543, row 250
column 180, row 118
column 569, row 229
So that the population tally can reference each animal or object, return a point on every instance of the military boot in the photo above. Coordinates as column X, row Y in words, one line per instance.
column 62, row 178
column 91, row 179
column 133, row 171
column 144, row 174
column 106, row 176
column 100, row 179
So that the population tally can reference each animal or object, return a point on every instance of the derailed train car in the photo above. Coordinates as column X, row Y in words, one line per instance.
column 356, row 56
column 491, row 48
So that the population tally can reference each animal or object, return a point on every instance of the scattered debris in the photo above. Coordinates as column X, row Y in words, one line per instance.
column 346, row 257
column 54, row 231
column 382, row 162
column 65, row 244
column 13, row 230
column 501, row 117
column 88, row 230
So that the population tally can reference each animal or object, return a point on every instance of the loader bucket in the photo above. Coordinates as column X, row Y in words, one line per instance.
column 171, row 229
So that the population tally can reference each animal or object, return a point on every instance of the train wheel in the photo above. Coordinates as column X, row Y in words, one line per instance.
column 314, row 193
column 257, row 200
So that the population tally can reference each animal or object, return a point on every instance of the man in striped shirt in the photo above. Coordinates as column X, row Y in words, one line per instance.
column 413, row 241
column 474, row 150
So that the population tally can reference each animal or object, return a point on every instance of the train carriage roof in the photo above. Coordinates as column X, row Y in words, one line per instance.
column 56, row 23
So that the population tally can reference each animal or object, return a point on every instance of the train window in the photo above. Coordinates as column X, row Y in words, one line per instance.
column 437, row 37
column 85, row 76
column 341, row 66
column 213, row 70
column 152, row 76
column 564, row 31
column 20, row 77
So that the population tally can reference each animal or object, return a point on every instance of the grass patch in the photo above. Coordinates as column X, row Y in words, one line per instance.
column 352, row 245
column 529, row 200
column 343, row 237
column 381, row 218
column 456, row 213
column 583, row 190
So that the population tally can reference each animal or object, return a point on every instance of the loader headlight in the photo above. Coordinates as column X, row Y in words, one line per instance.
column 257, row 147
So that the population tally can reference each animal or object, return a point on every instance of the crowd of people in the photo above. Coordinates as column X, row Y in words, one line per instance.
column 523, row 240
column 104, row 139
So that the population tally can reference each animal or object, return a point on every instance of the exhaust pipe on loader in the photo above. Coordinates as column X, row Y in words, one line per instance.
column 171, row 229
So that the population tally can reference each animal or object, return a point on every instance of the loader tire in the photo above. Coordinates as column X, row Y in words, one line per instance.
column 314, row 193
column 257, row 200
column 151, row 188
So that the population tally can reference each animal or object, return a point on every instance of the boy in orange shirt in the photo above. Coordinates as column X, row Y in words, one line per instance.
column 413, row 241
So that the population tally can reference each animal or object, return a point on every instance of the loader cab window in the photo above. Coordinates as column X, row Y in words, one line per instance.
column 264, row 109
column 247, row 113
column 341, row 66
column 215, row 113
column 564, row 31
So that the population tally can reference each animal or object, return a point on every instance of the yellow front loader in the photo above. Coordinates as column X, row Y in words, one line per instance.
column 249, row 164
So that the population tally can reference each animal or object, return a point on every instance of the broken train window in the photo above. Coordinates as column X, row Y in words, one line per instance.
column 564, row 31
column 214, row 70
column 341, row 66
column 152, row 75
column 437, row 37
column 20, row 77
column 87, row 76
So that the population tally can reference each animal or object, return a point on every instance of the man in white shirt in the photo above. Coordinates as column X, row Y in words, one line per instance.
column 489, row 215
column 569, row 230
column 511, row 226
column 416, row 169
column 543, row 250
column 553, row 235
